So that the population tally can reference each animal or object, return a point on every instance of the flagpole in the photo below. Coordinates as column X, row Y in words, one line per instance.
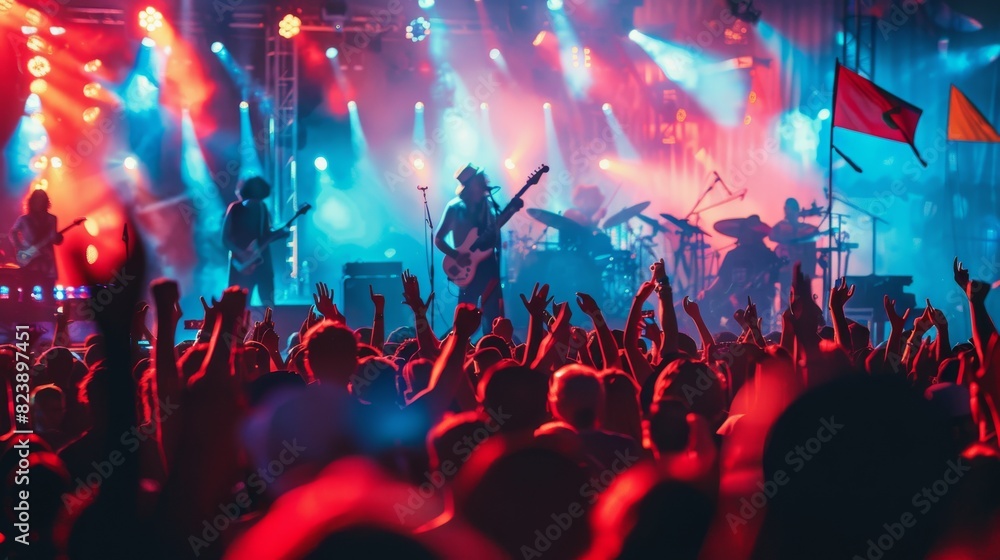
column 828, row 273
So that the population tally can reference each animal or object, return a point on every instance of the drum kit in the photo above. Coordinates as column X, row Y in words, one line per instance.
column 610, row 261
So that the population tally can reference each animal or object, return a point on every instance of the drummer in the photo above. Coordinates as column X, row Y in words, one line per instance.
column 588, row 210
column 750, row 269
column 796, row 243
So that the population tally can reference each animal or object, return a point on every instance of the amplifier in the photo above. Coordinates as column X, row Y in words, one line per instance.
column 384, row 278
column 373, row 269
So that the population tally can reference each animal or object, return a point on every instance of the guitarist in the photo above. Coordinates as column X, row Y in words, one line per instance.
column 35, row 226
column 247, row 220
column 474, row 208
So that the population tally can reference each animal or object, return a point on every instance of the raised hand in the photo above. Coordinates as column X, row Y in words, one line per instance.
column 233, row 305
column 750, row 314
column 961, row 274
column 924, row 322
column 377, row 299
column 467, row 319
column 323, row 298
column 651, row 331
column 587, row 304
column 411, row 294
column 166, row 296
column 658, row 271
column 840, row 293
column 897, row 322
column 937, row 316
column 210, row 318
column 691, row 308
column 310, row 321
column 977, row 291
column 740, row 317
column 539, row 300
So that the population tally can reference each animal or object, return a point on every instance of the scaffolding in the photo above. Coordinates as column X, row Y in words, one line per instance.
column 858, row 26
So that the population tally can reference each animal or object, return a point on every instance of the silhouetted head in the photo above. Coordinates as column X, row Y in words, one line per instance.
column 576, row 396
column 254, row 188
column 37, row 202
column 517, row 393
column 331, row 353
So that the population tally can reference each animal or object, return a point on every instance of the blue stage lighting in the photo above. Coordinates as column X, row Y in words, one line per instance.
column 320, row 163
column 217, row 47
column 331, row 53
column 554, row 4
column 425, row 4
column 494, row 53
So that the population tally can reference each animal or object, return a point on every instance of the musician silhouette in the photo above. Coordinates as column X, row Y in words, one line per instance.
column 37, row 227
column 247, row 223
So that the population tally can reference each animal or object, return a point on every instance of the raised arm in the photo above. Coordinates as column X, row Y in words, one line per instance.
column 448, row 371
column 668, row 315
column 609, row 348
column 641, row 369
column 427, row 341
column 983, row 328
column 536, row 320
column 323, row 299
column 707, row 341
column 555, row 347
column 893, row 347
column 166, row 297
column 378, row 324
column 839, row 294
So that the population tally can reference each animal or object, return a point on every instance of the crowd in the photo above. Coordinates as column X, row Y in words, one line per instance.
column 344, row 441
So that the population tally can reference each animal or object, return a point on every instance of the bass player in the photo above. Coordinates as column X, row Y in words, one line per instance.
column 37, row 228
column 248, row 224
column 474, row 209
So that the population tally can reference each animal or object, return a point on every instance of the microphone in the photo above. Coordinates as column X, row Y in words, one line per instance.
column 718, row 179
column 419, row 188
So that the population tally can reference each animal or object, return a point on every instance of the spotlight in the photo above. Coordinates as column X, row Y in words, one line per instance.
column 418, row 30
column 244, row 105
column 148, row 42
column 33, row 17
column 419, row 106
column 494, row 53
column 150, row 19
column 38, row 117
column 823, row 114
column 55, row 162
column 91, row 254
column 604, row 164
column 28, row 30
column 331, row 53
column 546, row 105
column 352, row 105
column 418, row 164
column 6, row 6
column 554, row 4
column 92, row 90
column 39, row 163
column 634, row 35
column 746, row 120
column 681, row 115
column 39, row 86
column 57, row 31
column 289, row 26
column 539, row 38
column 508, row 163
column 40, row 184
column 38, row 44
column 39, row 66
column 130, row 163
column 484, row 106
column 425, row 4
column 92, row 66
column 90, row 114
column 606, row 107
column 320, row 163
column 217, row 47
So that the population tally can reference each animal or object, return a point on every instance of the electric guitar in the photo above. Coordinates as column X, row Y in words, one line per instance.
column 246, row 261
column 25, row 256
column 462, row 275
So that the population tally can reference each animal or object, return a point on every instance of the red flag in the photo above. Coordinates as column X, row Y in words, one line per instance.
column 966, row 123
column 862, row 106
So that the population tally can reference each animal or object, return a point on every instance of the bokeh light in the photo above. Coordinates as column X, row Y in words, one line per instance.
column 90, row 114
column 289, row 26
column 150, row 19
column 39, row 66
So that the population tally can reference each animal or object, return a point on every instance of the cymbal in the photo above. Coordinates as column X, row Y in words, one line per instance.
column 625, row 214
column 743, row 227
column 839, row 249
column 657, row 228
column 686, row 227
column 553, row 220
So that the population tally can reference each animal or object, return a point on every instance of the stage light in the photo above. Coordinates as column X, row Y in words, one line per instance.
column 546, row 105
column 33, row 17
column 148, row 42
column 418, row 164
column 92, row 66
column 39, row 86
column 746, row 120
column 425, row 4
column 321, row 163
column 604, row 164
column 38, row 117
column 554, row 4
column 40, row 184
column 539, row 38
column 130, row 163
column 823, row 114
column 331, row 53
column 217, row 47
column 244, row 105
column 681, row 115
column 150, row 19
column 6, row 6
column 28, row 30
column 92, row 90
column 494, row 53
column 91, row 254
column 606, row 107
column 39, row 163
column 289, row 26
column 92, row 228
column 418, row 30
column 57, row 31
column 55, row 162
column 508, row 163
column 351, row 105
column 38, row 44
column 484, row 106
column 39, row 66
column 90, row 114
column 634, row 35
column 419, row 106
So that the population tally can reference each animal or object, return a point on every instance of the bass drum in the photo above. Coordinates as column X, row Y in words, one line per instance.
column 566, row 273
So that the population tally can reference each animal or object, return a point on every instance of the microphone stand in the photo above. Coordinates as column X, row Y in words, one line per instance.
column 429, row 247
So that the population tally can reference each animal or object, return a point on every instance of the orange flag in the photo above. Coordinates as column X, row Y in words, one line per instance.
column 966, row 123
